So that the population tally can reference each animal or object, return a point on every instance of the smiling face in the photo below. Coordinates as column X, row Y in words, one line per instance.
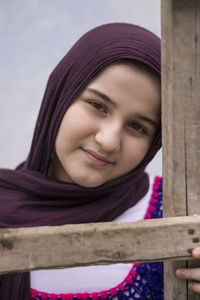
column 108, row 129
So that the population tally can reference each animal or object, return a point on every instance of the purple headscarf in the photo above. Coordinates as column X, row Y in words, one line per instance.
column 27, row 196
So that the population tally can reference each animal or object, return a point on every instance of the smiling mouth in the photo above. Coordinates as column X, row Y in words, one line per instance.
column 97, row 159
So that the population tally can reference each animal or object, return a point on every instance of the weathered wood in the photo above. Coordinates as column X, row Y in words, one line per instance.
column 172, row 283
column 180, row 118
column 98, row 243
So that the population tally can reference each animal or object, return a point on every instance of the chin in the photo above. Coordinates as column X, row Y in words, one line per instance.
column 89, row 184
column 85, row 182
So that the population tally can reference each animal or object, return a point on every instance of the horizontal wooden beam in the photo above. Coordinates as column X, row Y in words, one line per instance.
column 98, row 243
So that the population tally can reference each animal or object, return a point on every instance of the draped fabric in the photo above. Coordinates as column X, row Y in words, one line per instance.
column 27, row 196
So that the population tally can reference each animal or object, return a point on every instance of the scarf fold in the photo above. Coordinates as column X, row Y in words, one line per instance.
column 27, row 196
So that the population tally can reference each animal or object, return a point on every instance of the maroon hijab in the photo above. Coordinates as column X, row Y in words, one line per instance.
column 27, row 196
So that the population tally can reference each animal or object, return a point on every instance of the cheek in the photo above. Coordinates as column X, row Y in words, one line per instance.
column 134, row 151
column 74, row 127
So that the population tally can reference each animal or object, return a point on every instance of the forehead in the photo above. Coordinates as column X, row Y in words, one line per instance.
column 127, row 85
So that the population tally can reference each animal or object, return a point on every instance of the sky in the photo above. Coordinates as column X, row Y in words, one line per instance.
column 34, row 36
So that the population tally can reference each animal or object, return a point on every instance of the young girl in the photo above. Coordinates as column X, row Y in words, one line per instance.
column 98, row 128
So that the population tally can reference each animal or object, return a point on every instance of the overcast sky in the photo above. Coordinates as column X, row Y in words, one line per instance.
column 35, row 35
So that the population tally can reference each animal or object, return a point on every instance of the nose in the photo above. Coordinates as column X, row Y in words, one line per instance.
column 109, row 138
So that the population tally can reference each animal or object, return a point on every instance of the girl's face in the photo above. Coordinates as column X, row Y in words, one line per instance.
column 109, row 128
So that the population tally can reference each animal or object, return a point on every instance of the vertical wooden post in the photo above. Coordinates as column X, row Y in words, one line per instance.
column 181, row 122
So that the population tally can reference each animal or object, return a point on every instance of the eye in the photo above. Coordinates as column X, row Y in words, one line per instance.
column 137, row 127
column 97, row 106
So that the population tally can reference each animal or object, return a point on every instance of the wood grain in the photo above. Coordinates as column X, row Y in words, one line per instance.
column 97, row 243
column 181, row 121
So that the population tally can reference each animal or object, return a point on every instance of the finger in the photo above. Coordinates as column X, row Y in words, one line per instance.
column 194, row 286
column 196, row 252
column 192, row 274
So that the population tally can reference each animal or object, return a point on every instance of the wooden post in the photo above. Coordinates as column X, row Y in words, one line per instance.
column 181, row 121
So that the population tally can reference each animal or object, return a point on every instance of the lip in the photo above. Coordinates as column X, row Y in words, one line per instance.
column 96, row 158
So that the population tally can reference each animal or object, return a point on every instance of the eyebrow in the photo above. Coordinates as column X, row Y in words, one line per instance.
column 147, row 119
column 110, row 101
column 103, row 96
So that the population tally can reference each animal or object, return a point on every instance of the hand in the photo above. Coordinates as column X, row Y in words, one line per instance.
column 193, row 275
